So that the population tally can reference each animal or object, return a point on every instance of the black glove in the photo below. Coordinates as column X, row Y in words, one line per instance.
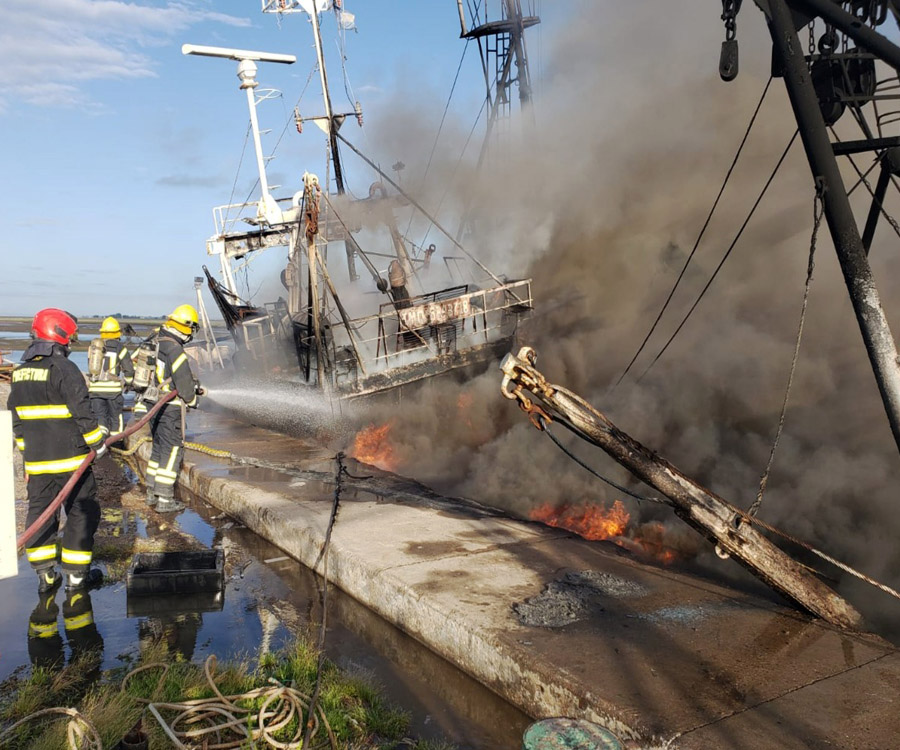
column 101, row 450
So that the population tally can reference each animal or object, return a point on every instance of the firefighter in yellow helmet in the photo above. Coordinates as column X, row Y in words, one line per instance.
column 172, row 372
column 110, row 371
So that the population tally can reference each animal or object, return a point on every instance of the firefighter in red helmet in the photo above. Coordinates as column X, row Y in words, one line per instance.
column 55, row 430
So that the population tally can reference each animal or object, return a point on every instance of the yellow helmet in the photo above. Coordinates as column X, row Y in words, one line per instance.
column 109, row 329
column 184, row 319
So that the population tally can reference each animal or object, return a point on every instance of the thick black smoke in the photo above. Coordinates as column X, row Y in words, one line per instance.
column 601, row 206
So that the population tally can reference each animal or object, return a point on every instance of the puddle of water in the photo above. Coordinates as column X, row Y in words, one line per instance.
column 191, row 523
column 264, row 605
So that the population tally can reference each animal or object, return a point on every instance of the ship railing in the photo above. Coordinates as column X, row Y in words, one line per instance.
column 232, row 217
column 428, row 326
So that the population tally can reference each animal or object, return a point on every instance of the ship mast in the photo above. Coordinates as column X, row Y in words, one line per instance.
column 331, row 125
column 501, row 44
column 331, row 122
column 821, row 85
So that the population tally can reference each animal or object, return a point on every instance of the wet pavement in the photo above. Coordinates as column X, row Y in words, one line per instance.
column 555, row 624
column 267, row 599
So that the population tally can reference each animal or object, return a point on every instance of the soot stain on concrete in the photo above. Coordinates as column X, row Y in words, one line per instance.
column 574, row 597
column 434, row 549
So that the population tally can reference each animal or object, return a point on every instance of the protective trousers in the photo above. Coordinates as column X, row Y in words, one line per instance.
column 82, row 519
column 168, row 451
column 108, row 412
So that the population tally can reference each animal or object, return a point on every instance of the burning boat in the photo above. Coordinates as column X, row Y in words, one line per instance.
column 437, row 313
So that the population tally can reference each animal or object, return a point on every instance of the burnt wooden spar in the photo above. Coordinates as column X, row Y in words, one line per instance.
column 708, row 513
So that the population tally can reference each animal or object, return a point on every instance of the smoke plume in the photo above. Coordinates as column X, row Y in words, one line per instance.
column 634, row 135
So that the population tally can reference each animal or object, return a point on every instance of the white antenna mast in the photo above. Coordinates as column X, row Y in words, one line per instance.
column 268, row 210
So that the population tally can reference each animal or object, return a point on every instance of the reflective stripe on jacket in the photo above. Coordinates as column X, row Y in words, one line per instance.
column 52, row 419
column 116, row 362
column 172, row 362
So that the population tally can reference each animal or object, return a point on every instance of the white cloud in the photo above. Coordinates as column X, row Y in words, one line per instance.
column 50, row 50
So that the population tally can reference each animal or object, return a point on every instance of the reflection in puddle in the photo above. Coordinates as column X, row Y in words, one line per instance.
column 264, row 605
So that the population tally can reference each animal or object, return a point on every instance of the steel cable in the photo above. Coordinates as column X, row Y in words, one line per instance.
column 724, row 257
column 583, row 465
column 699, row 237
column 743, row 516
column 441, row 126
column 818, row 211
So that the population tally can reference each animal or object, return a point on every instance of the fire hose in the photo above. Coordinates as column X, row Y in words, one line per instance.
column 60, row 498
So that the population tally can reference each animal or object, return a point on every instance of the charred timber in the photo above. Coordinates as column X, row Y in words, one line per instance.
column 712, row 516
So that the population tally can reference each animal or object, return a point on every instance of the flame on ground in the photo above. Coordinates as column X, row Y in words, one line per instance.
column 590, row 521
column 372, row 445
column 598, row 523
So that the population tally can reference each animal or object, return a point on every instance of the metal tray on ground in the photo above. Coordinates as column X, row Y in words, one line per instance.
column 192, row 572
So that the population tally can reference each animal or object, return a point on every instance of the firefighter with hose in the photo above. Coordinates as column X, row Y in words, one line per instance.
column 161, row 366
column 55, row 429
column 110, row 371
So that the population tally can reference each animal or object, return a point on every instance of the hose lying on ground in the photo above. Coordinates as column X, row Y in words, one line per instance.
column 133, row 449
column 60, row 498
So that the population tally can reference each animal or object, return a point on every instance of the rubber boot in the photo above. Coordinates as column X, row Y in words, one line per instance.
column 88, row 579
column 168, row 505
column 151, row 498
column 48, row 580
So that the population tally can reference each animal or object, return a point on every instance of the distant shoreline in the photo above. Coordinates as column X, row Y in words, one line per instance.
column 87, row 326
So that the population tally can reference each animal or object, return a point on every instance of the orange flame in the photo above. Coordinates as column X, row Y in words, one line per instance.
column 597, row 523
column 372, row 446
column 594, row 522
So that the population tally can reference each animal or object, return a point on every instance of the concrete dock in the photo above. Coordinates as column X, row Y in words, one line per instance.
column 557, row 625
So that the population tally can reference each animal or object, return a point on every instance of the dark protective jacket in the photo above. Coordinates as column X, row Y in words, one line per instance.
column 172, row 362
column 52, row 419
column 117, row 366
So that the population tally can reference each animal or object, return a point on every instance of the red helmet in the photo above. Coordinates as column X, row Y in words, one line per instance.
column 54, row 325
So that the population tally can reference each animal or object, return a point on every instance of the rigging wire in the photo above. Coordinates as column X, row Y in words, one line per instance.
column 545, row 428
column 237, row 174
column 284, row 129
column 724, row 257
column 818, row 212
column 862, row 175
column 699, row 238
column 863, row 179
column 745, row 516
column 443, row 118
column 462, row 154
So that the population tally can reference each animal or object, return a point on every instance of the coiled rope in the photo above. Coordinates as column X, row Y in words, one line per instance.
column 80, row 733
column 221, row 723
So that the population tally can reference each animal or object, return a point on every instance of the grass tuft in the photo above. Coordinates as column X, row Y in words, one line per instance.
column 357, row 714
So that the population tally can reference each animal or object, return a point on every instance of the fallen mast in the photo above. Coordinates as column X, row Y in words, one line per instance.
column 722, row 523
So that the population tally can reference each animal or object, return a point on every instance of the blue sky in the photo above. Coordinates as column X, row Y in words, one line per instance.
column 116, row 146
